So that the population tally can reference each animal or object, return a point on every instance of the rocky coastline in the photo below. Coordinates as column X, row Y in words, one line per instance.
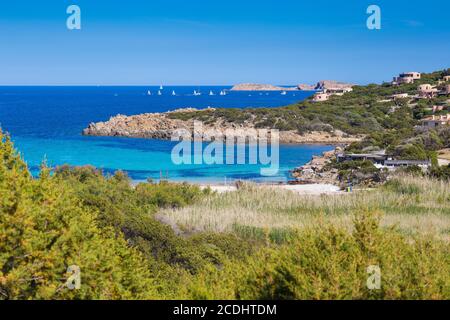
column 316, row 171
column 162, row 126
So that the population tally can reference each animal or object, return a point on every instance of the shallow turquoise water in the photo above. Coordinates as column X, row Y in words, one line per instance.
column 46, row 123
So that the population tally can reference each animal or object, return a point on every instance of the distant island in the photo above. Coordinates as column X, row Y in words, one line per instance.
column 321, row 85
column 260, row 87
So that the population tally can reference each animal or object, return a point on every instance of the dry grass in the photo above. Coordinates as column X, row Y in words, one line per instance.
column 414, row 205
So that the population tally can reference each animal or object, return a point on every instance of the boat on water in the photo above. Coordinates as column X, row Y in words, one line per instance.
column 159, row 93
column 173, row 93
column 149, row 93
column 197, row 93
column 283, row 93
column 211, row 93
column 161, row 88
column 223, row 93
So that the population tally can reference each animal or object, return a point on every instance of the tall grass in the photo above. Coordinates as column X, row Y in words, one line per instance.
column 414, row 205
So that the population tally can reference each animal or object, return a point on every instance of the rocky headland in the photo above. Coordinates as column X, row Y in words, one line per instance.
column 165, row 126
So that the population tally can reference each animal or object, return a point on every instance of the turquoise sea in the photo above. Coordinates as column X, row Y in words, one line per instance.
column 46, row 123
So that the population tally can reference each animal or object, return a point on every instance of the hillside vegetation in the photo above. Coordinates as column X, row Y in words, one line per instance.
column 367, row 110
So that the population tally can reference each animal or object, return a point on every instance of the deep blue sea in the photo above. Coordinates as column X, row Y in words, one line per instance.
column 46, row 123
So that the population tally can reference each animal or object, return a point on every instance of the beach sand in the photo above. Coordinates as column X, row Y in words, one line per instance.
column 314, row 189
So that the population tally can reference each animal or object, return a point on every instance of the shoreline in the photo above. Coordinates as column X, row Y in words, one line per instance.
column 222, row 187
column 305, row 189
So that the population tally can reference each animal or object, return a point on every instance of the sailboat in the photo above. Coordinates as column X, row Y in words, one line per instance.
column 161, row 88
column 211, row 93
column 149, row 93
column 283, row 93
column 159, row 92
column 222, row 93
column 173, row 93
column 197, row 93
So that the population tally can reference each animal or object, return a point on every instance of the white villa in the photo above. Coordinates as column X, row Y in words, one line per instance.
column 328, row 92
column 338, row 91
column 427, row 91
column 436, row 121
column 318, row 97
column 406, row 77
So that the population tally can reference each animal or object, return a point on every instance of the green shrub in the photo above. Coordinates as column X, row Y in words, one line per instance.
column 44, row 230
column 331, row 263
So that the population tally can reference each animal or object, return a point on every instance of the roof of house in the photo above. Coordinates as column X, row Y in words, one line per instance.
column 445, row 118
column 407, row 162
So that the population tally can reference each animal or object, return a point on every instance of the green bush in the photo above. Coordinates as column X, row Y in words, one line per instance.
column 44, row 230
column 331, row 263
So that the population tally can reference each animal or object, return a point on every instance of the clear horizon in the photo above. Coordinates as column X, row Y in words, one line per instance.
column 203, row 43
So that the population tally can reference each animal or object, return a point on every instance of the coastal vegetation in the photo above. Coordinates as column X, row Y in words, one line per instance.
column 176, row 241
column 366, row 110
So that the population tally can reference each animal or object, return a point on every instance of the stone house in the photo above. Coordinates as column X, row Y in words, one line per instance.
column 436, row 121
column 407, row 77
column 427, row 91
column 318, row 97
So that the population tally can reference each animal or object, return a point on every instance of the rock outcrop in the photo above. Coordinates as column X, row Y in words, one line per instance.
column 260, row 87
column 331, row 84
column 316, row 170
column 162, row 126
column 306, row 87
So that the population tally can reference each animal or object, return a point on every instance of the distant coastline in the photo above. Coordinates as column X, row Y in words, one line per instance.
column 260, row 87
column 321, row 85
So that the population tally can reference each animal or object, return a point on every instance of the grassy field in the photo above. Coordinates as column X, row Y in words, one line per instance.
column 412, row 205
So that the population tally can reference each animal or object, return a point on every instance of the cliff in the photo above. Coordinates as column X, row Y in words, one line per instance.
column 164, row 126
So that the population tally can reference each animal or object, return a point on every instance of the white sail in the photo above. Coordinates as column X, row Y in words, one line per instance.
column 173, row 93
column 161, row 87
column 159, row 92
column 283, row 93
column 149, row 93
column 211, row 93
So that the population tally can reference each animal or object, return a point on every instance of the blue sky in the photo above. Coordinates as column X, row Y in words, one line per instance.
column 138, row 42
